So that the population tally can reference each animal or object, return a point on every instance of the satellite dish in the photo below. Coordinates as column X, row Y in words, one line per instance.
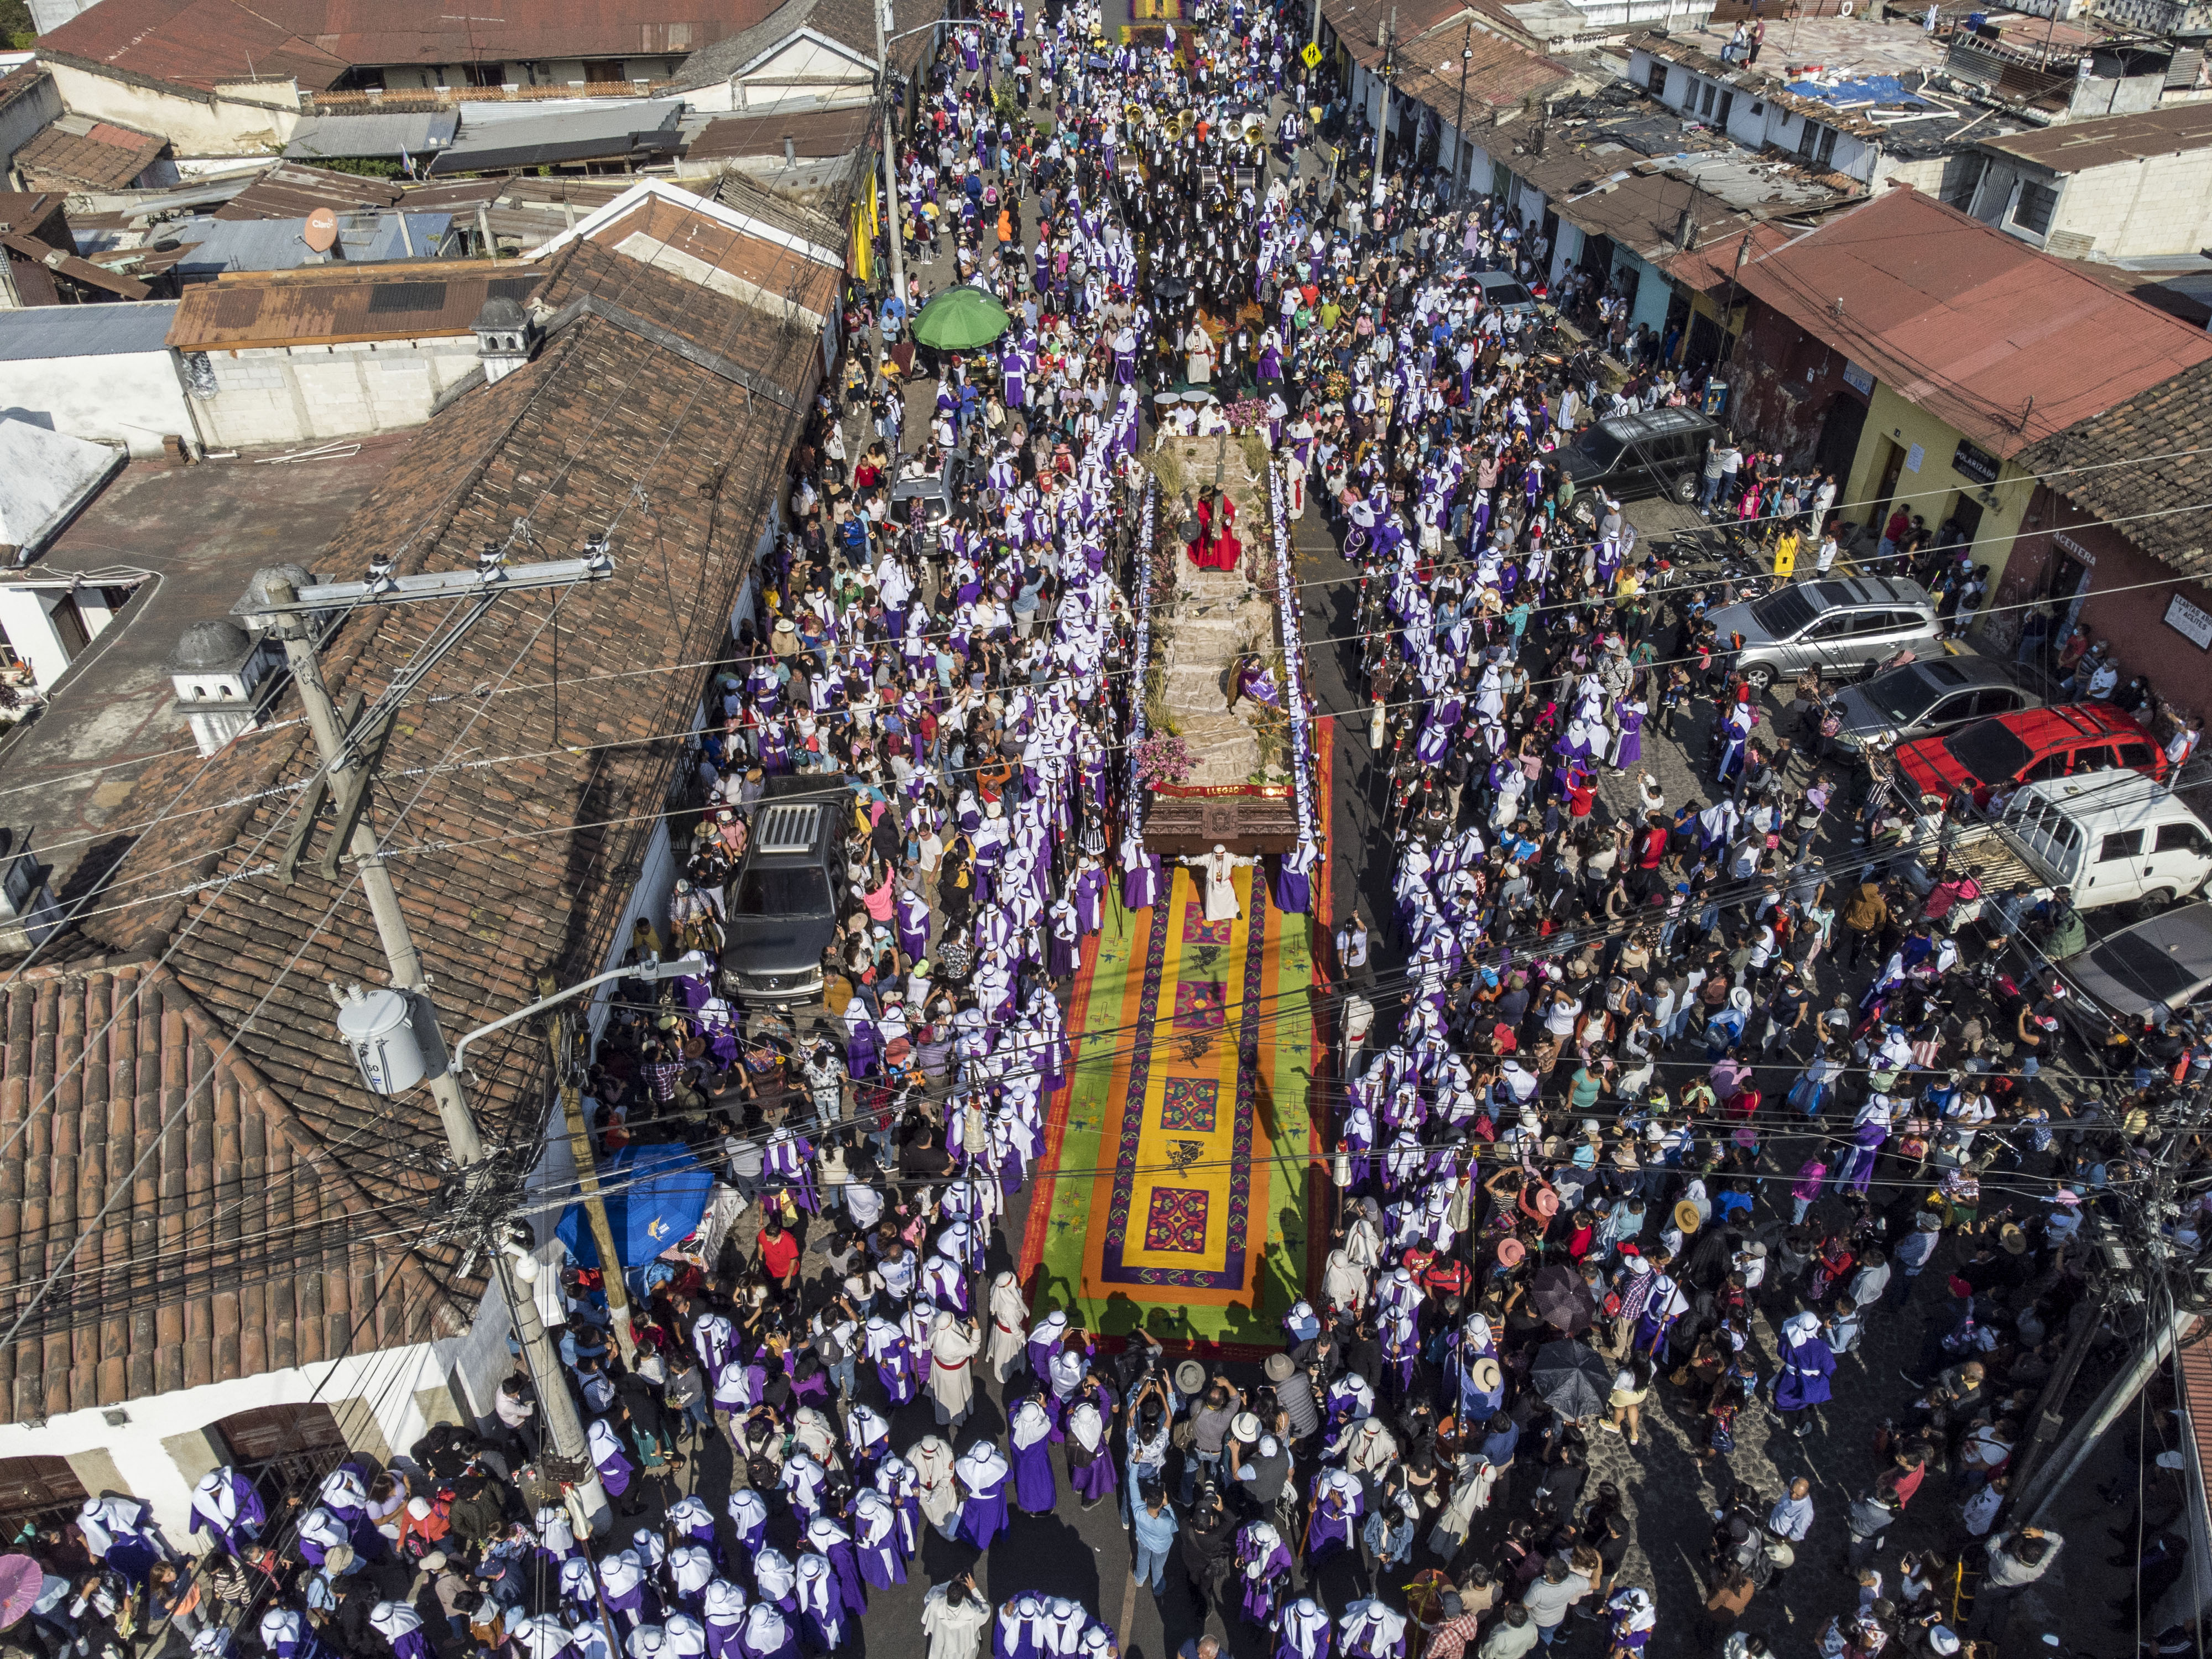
column 322, row 230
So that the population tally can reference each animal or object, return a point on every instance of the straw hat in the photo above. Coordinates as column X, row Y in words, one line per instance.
column 1686, row 1216
column 1190, row 1377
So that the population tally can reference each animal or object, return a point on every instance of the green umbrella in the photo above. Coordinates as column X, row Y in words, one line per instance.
column 960, row 319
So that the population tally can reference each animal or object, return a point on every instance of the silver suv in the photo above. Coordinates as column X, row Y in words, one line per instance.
column 1837, row 627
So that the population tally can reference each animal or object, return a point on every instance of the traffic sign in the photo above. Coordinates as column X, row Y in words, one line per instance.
column 1310, row 56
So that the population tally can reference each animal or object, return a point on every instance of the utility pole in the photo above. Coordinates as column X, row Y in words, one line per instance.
column 588, row 1175
column 897, row 237
column 1459, row 115
column 1382, row 122
column 348, row 765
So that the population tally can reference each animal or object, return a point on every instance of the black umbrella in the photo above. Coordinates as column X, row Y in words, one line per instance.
column 1170, row 287
column 1562, row 1299
column 1570, row 1379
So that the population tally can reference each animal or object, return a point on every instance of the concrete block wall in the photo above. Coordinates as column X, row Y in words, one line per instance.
column 299, row 394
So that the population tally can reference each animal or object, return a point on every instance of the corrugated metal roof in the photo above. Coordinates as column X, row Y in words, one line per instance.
column 202, row 42
column 278, row 245
column 2078, row 146
column 2007, row 345
column 332, row 138
column 567, row 135
column 813, row 133
column 290, row 191
column 38, row 332
column 332, row 306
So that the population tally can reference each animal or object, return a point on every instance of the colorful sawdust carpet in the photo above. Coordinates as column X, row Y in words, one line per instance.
column 1182, row 1165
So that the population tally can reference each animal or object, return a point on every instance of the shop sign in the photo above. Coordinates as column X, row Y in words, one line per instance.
column 2193, row 623
column 1977, row 464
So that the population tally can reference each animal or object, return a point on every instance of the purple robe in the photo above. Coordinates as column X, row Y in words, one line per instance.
column 1036, row 1490
column 1629, row 749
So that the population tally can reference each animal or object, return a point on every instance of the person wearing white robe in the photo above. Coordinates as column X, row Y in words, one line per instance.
column 1218, row 880
column 954, row 1617
column 1009, row 1310
column 953, row 1346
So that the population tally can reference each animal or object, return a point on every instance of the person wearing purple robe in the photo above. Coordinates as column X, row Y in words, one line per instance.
column 226, row 1504
column 345, row 1495
column 691, row 1521
column 286, row 1633
column 1063, row 941
column 748, row 1515
column 821, row 1609
column 1090, row 1457
column 1337, row 1505
column 1263, row 1568
column 724, row 1607
column 893, row 1357
column 625, row 1590
column 790, row 1163
column 1304, row 1632
column 835, row 1545
column 1857, row 1171
column 1628, row 747
column 1089, row 891
column 766, row 1634
column 606, row 1449
column 398, row 1623
column 876, row 1548
column 1142, row 873
column 981, row 1474
column 1294, row 878
column 912, row 913
column 1035, row 1488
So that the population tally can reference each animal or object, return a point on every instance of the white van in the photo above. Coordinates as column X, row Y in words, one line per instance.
column 2110, row 836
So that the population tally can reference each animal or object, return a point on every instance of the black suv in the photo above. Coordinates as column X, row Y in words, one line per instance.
column 785, row 899
column 1660, row 451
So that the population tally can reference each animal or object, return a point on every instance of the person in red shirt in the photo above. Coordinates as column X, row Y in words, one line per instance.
column 779, row 1253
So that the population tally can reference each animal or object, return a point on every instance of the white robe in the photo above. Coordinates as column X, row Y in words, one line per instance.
column 1219, row 883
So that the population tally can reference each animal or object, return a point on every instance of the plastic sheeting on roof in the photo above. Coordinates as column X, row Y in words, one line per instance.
column 36, row 333
column 330, row 138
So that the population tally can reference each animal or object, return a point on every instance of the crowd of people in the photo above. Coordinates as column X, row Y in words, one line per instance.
column 1640, row 1142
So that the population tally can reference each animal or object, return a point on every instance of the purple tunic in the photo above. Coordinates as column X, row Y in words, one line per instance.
column 1036, row 1490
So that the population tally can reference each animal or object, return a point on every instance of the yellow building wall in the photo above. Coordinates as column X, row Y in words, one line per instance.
column 1930, row 491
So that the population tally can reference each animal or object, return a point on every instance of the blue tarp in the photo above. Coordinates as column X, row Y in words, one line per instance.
column 1883, row 91
column 655, row 1196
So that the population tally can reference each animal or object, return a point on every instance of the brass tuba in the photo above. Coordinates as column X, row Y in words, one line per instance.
column 1253, row 129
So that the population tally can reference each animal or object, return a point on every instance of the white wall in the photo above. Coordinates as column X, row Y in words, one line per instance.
column 383, row 1392
column 24, row 117
column 257, row 118
column 133, row 398
column 288, row 394
column 30, row 631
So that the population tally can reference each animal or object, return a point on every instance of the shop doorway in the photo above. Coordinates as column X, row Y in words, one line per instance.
column 282, row 1450
column 39, row 1493
column 1892, row 468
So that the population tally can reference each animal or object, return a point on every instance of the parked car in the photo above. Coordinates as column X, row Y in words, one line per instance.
column 1660, row 451
column 2033, row 747
column 784, row 902
column 1925, row 697
column 1837, row 627
column 2111, row 838
column 2155, row 969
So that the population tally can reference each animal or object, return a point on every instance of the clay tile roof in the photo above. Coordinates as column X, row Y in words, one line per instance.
column 239, row 1243
column 518, row 818
column 2007, row 345
column 2097, row 466
column 76, row 153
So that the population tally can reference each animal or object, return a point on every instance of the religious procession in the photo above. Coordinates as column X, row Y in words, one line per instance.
column 1364, row 1083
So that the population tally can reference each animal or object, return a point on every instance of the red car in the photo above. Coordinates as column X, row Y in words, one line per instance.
column 2029, row 747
